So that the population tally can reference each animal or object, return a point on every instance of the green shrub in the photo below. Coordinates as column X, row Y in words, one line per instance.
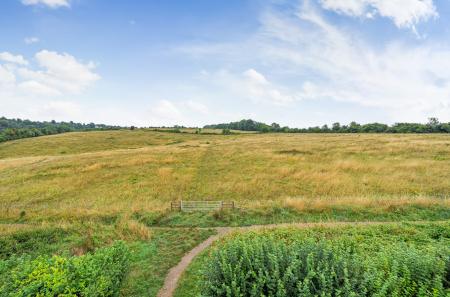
column 98, row 274
column 265, row 266
column 32, row 242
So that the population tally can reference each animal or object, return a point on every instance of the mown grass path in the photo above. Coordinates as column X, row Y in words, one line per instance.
column 175, row 273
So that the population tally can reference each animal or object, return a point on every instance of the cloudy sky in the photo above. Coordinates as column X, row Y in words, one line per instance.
column 164, row 62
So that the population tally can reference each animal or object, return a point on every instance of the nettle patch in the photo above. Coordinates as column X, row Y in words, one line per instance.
column 268, row 266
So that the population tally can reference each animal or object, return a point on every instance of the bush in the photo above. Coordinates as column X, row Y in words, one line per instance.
column 98, row 274
column 270, row 267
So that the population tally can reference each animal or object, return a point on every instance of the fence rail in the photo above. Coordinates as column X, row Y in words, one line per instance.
column 189, row 206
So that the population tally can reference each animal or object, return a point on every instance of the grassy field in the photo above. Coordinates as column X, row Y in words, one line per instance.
column 71, row 194
column 105, row 174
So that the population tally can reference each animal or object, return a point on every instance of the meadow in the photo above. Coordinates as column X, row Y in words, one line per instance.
column 104, row 174
column 67, row 199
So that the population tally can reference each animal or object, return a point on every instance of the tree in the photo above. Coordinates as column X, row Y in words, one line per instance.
column 336, row 127
column 433, row 125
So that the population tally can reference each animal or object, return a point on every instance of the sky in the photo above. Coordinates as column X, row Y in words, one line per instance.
column 177, row 62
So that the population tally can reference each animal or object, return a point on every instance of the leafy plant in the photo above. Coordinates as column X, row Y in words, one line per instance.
column 98, row 274
column 266, row 266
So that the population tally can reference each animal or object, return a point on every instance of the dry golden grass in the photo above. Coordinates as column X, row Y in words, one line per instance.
column 382, row 204
column 127, row 228
column 142, row 171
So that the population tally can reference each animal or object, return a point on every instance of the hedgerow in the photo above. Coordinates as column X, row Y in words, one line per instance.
column 99, row 274
column 262, row 266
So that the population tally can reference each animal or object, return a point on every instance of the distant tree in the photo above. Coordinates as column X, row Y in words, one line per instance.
column 336, row 127
column 433, row 125
column 226, row 131
column 11, row 129
column 275, row 127
column 354, row 127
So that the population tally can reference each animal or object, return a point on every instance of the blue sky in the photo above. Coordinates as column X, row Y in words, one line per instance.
column 298, row 63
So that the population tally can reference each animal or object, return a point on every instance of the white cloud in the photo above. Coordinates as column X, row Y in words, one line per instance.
column 249, row 85
column 169, row 113
column 6, row 76
column 197, row 107
column 37, row 88
column 255, row 77
column 31, row 40
column 165, row 111
column 61, row 110
column 312, row 59
column 61, row 72
column 348, row 7
column 257, row 87
column 49, row 3
column 43, row 91
column 400, row 77
column 16, row 59
column 404, row 13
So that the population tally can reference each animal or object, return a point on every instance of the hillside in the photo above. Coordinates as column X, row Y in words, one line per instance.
column 112, row 172
column 90, row 196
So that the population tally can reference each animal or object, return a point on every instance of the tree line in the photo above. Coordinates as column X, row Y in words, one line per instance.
column 11, row 129
column 432, row 126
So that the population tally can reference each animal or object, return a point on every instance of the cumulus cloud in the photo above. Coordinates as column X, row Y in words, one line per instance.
column 31, row 40
column 168, row 112
column 250, row 85
column 6, row 76
column 404, row 13
column 16, row 59
column 49, row 3
column 165, row 110
column 62, row 73
column 42, row 89
column 257, row 87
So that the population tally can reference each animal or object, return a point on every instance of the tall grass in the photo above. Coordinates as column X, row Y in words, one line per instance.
column 116, row 172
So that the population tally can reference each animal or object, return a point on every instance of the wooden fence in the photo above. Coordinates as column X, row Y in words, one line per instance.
column 189, row 206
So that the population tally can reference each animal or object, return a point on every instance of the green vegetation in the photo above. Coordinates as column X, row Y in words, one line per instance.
column 98, row 274
column 389, row 260
column 61, row 257
column 278, row 214
column 433, row 126
column 66, row 197
column 151, row 260
column 11, row 129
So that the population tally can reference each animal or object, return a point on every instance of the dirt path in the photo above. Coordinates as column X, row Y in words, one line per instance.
column 171, row 281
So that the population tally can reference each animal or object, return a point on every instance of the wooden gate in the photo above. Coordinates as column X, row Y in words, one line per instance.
column 190, row 206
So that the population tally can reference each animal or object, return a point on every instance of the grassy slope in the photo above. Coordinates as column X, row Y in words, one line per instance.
column 368, row 238
column 103, row 174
